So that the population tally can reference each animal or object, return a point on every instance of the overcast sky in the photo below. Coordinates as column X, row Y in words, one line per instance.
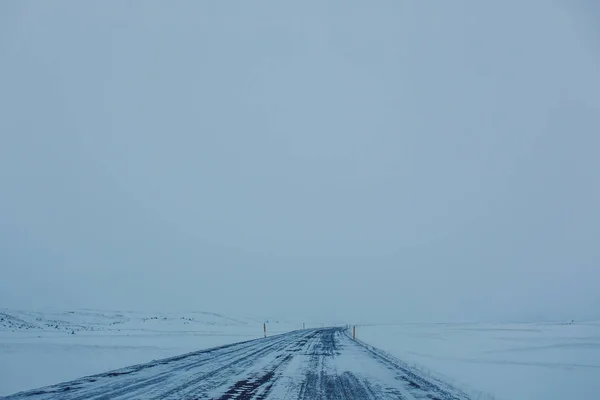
column 348, row 161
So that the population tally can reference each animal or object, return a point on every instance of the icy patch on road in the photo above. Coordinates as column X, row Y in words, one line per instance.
column 501, row 361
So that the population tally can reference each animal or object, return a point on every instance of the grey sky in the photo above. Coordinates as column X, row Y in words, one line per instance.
column 393, row 160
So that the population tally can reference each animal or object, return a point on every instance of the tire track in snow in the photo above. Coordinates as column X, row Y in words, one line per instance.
column 310, row 364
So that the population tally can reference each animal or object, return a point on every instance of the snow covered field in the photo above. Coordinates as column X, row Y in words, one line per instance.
column 500, row 361
column 43, row 348
column 491, row 361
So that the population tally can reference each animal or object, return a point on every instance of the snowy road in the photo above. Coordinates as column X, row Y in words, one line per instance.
column 308, row 364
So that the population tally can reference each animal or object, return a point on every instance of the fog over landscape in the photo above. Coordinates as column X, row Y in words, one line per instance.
column 342, row 162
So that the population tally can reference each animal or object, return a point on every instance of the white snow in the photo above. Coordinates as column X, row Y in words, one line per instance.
column 48, row 347
column 500, row 361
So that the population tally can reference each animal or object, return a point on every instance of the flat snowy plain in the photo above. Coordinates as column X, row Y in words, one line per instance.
column 488, row 361
column 524, row 361
column 44, row 348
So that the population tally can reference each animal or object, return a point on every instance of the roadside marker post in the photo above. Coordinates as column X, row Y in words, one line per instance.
column 265, row 328
column 354, row 332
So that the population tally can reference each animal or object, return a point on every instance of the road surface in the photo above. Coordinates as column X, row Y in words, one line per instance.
column 307, row 364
